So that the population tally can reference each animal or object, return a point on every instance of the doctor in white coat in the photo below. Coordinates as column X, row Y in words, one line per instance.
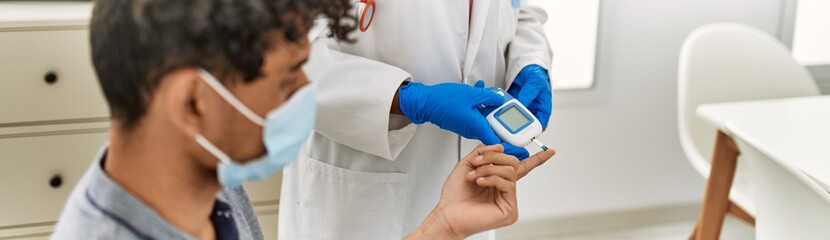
column 373, row 174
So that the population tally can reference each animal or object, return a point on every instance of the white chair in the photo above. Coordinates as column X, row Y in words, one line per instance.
column 790, row 205
column 727, row 62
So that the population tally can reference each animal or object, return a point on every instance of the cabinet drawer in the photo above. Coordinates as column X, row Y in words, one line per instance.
column 48, row 75
column 30, row 166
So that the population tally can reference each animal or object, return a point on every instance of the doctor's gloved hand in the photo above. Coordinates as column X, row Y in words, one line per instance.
column 532, row 88
column 454, row 107
column 450, row 106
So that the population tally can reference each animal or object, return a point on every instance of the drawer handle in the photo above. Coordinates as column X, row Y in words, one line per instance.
column 50, row 78
column 56, row 181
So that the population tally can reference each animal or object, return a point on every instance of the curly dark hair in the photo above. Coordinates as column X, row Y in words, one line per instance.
column 136, row 42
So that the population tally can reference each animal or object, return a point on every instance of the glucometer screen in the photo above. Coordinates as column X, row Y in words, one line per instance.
column 513, row 118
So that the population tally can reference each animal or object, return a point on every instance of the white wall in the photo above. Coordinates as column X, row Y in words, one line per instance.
column 618, row 144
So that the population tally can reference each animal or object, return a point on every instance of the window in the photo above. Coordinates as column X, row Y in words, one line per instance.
column 810, row 34
column 571, row 29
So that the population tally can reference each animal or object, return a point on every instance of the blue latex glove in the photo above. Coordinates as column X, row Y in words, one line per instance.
column 453, row 107
column 532, row 88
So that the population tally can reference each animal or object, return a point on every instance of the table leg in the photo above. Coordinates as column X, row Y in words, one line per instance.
column 716, row 201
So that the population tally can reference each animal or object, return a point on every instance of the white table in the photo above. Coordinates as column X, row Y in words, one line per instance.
column 793, row 130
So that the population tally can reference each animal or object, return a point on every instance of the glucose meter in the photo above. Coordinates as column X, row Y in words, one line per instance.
column 512, row 122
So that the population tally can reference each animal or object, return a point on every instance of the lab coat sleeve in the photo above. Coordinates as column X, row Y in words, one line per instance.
column 354, row 99
column 529, row 44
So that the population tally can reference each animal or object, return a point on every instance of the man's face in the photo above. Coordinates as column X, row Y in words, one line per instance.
column 282, row 75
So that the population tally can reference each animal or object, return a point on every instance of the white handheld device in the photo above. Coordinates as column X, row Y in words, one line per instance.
column 512, row 122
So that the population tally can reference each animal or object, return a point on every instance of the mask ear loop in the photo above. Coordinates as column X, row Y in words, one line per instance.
column 213, row 149
column 232, row 100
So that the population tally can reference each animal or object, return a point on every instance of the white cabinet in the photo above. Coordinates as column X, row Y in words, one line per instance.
column 54, row 119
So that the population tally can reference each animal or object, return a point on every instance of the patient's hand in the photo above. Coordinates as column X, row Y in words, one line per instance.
column 479, row 194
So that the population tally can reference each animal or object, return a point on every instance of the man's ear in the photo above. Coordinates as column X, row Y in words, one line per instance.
column 182, row 103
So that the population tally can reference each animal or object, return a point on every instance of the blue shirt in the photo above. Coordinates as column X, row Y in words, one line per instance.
column 99, row 208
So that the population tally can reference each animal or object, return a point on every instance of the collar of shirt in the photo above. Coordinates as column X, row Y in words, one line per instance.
column 132, row 214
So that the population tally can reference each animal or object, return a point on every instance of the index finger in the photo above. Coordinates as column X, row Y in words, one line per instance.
column 534, row 161
column 482, row 149
column 528, row 93
column 495, row 158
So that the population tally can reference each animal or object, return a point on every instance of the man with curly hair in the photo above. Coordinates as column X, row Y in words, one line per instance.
column 207, row 94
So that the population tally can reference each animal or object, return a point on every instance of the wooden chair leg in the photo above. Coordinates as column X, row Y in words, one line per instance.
column 716, row 201
column 741, row 214
column 694, row 232
column 736, row 211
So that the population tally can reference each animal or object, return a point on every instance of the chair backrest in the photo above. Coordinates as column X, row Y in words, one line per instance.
column 790, row 204
column 725, row 62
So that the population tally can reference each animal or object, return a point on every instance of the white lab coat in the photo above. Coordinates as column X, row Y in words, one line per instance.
column 372, row 175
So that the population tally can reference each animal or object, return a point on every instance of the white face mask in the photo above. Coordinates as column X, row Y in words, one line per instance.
column 285, row 130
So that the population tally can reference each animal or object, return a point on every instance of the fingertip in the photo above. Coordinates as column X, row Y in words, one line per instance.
column 471, row 176
column 480, row 84
column 490, row 138
column 499, row 148
column 551, row 152
column 492, row 98
column 481, row 181
column 482, row 149
column 488, row 97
